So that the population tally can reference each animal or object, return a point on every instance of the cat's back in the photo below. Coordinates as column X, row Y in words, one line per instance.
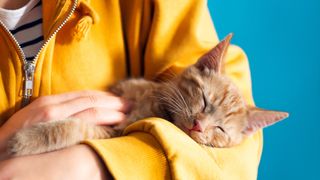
column 134, row 89
column 142, row 94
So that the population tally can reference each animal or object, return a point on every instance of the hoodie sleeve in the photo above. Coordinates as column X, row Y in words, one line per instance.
column 164, row 36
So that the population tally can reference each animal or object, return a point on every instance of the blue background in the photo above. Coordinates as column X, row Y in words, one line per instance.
column 281, row 39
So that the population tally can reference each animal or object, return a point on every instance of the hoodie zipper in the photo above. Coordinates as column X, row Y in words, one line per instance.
column 29, row 66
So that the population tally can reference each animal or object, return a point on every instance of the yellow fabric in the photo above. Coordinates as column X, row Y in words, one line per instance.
column 130, row 157
column 106, row 41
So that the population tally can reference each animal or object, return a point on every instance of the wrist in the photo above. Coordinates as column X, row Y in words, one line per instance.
column 4, row 138
column 92, row 162
column 6, row 132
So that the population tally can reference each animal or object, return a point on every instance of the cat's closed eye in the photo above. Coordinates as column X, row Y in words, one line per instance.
column 207, row 106
column 204, row 102
column 220, row 128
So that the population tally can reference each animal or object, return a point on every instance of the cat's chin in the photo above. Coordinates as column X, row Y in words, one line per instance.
column 199, row 137
column 183, row 128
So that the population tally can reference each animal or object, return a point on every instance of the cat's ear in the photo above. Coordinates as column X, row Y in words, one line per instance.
column 212, row 60
column 260, row 118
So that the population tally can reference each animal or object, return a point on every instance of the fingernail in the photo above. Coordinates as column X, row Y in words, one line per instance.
column 127, row 105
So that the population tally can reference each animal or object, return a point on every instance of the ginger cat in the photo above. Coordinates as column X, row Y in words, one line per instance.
column 201, row 101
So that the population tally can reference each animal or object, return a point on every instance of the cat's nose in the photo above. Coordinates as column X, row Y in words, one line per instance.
column 196, row 126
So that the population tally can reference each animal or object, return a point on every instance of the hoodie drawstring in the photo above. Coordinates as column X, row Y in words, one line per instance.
column 88, row 17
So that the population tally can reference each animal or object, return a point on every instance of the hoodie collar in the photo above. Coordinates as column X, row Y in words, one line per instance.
column 56, row 12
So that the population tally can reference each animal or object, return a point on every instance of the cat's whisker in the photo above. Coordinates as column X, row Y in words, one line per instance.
column 170, row 91
column 167, row 95
column 186, row 106
column 169, row 102
column 179, row 99
column 175, row 106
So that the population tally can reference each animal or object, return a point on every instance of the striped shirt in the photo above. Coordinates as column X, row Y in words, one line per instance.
column 26, row 26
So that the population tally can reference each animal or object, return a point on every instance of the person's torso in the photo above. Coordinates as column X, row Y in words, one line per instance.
column 83, row 49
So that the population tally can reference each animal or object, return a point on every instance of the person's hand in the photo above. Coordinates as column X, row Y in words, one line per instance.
column 77, row 162
column 100, row 107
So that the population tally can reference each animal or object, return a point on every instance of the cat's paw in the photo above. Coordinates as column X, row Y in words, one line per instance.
column 51, row 136
column 20, row 144
column 44, row 137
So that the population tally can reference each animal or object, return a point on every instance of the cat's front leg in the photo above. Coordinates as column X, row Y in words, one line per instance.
column 50, row 136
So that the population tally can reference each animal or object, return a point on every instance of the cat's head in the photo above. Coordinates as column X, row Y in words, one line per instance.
column 208, row 106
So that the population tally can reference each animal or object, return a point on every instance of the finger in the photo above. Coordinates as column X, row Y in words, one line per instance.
column 107, row 102
column 73, row 106
column 83, row 93
column 100, row 116
column 63, row 97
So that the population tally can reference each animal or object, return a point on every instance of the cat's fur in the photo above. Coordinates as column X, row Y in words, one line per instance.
column 201, row 101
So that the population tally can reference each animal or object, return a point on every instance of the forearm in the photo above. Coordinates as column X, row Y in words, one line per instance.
column 77, row 162
column 7, row 130
column 99, row 107
column 3, row 141
column 5, row 135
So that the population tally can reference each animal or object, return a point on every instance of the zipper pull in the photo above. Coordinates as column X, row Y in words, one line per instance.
column 28, row 83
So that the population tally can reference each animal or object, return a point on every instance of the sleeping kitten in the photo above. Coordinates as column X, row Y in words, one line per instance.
column 200, row 101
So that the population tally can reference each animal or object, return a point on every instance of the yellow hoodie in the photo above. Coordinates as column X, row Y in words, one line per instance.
column 92, row 44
